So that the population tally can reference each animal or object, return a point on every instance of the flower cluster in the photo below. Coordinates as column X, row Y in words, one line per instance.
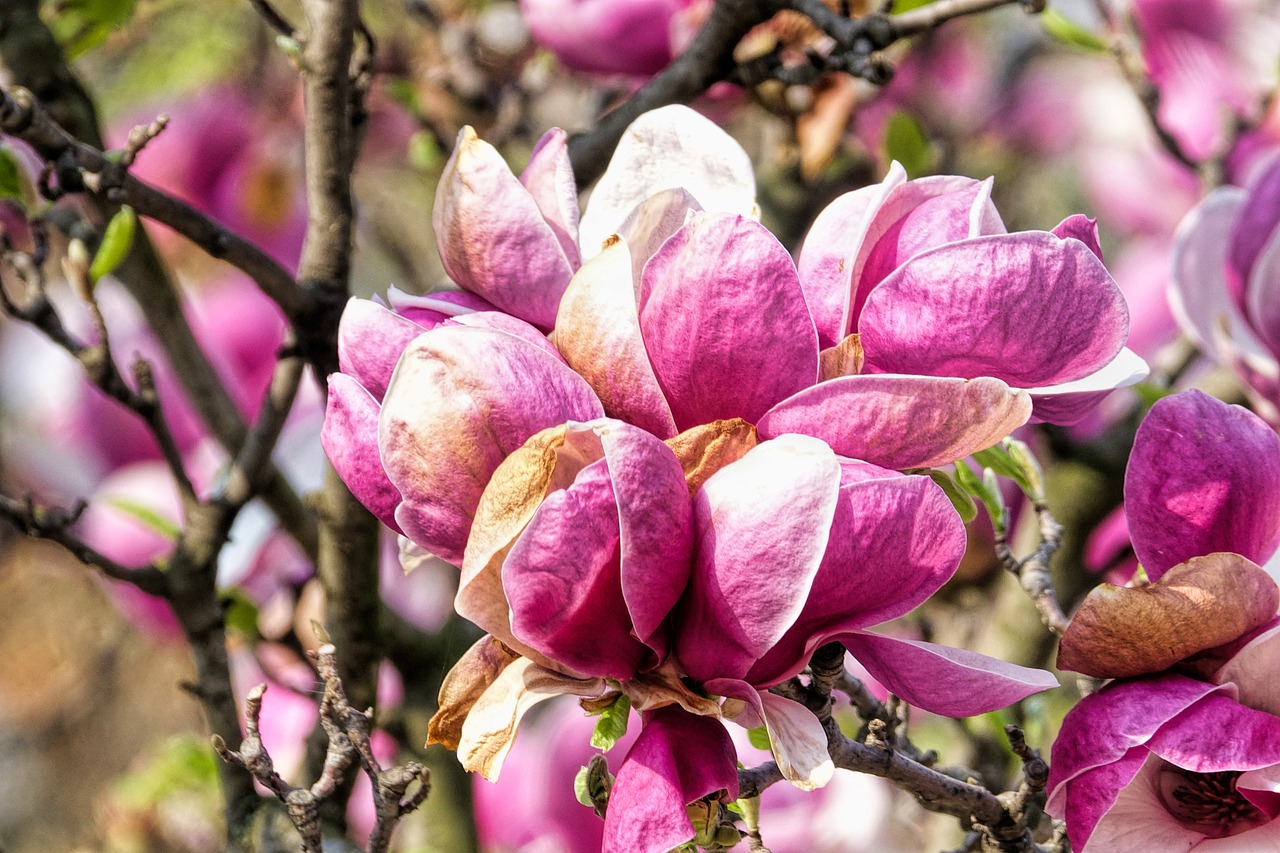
column 695, row 480
column 1182, row 750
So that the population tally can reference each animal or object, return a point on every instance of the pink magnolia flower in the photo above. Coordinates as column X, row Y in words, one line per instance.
column 1182, row 751
column 1225, row 286
column 516, row 242
column 608, row 36
column 873, row 344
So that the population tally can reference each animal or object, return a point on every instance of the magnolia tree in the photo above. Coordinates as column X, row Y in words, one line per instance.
column 801, row 481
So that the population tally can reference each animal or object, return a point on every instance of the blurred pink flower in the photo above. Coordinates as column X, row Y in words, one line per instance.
column 605, row 36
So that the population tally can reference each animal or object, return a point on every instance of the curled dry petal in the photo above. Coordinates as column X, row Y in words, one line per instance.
column 492, row 237
column 469, row 678
column 462, row 399
column 902, row 421
column 1204, row 476
column 796, row 737
column 669, row 147
column 490, row 727
column 707, row 448
column 1197, row 605
column 678, row 758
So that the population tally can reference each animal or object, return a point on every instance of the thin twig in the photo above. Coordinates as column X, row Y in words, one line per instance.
column 274, row 19
column 1033, row 572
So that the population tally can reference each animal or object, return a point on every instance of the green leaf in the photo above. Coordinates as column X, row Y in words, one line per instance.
column 900, row 6
column 1151, row 394
column 1067, row 31
column 612, row 724
column 988, row 493
column 906, row 142
column 580, row 787
column 153, row 520
column 241, row 614
column 424, row 153
column 82, row 25
column 11, row 182
column 959, row 498
column 997, row 459
column 116, row 243
column 759, row 738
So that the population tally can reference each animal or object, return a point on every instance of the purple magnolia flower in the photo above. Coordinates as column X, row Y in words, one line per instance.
column 873, row 344
column 516, row 242
column 1225, row 286
column 1182, row 751
column 609, row 36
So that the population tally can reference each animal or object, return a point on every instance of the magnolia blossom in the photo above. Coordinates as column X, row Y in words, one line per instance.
column 516, row 242
column 1225, row 287
column 1182, row 750
column 913, row 332
column 610, row 36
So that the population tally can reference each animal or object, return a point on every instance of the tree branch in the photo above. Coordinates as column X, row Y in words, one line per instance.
column 1033, row 572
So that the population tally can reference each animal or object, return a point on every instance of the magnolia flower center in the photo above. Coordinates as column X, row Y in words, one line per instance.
column 1209, row 802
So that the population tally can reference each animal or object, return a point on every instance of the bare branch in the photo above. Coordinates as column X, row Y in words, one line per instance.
column 274, row 19
column 249, row 469
column 55, row 525
column 1033, row 572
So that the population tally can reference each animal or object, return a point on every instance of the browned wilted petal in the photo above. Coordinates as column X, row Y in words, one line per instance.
column 843, row 359
column 1196, row 605
column 704, row 450
column 470, row 677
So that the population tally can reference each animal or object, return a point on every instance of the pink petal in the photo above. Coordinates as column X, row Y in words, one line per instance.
column 730, row 619
column 461, row 400
column 350, row 440
column 492, row 237
column 796, row 737
column 902, row 421
column 1203, row 477
column 1262, row 301
column 429, row 310
column 1218, row 733
column 370, row 341
column 669, row 147
column 598, row 331
column 1255, row 671
column 724, row 321
column 1029, row 308
column 917, row 216
column 830, row 252
column 651, row 222
column 1071, row 402
column 894, row 541
column 1083, row 229
column 500, row 322
column 1257, row 222
column 677, row 759
column 549, row 180
column 947, row 681
column 1118, row 809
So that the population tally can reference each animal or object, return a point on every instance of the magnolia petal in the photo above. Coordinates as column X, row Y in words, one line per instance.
column 830, row 251
column 843, row 359
column 656, row 528
column 947, row 681
column 463, row 686
column 513, row 326
column 1118, row 809
column 1204, row 476
column 549, row 180
column 895, row 540
column 1257, row 223
column 1255, row 672
column 796, row 737
column 370, row 341
column 1199, row 293
column 491, row 235
column 678, row 758
column 1070, row 402
column 1105, row 725
column 598, row 332
column 491, row 724
column 705, row 449
column 730, row 619
column 461, row 400
column 1030, row 309
column 917, row 216
column 1083, row 228
column 549, row 460
column 724, row 321
column 1197, row 605
column 902, row 421
column 669, row 147
column 431, row 309
column 650, row 224
column 349, row 437
column 1194, row 739
column 1262, row 299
